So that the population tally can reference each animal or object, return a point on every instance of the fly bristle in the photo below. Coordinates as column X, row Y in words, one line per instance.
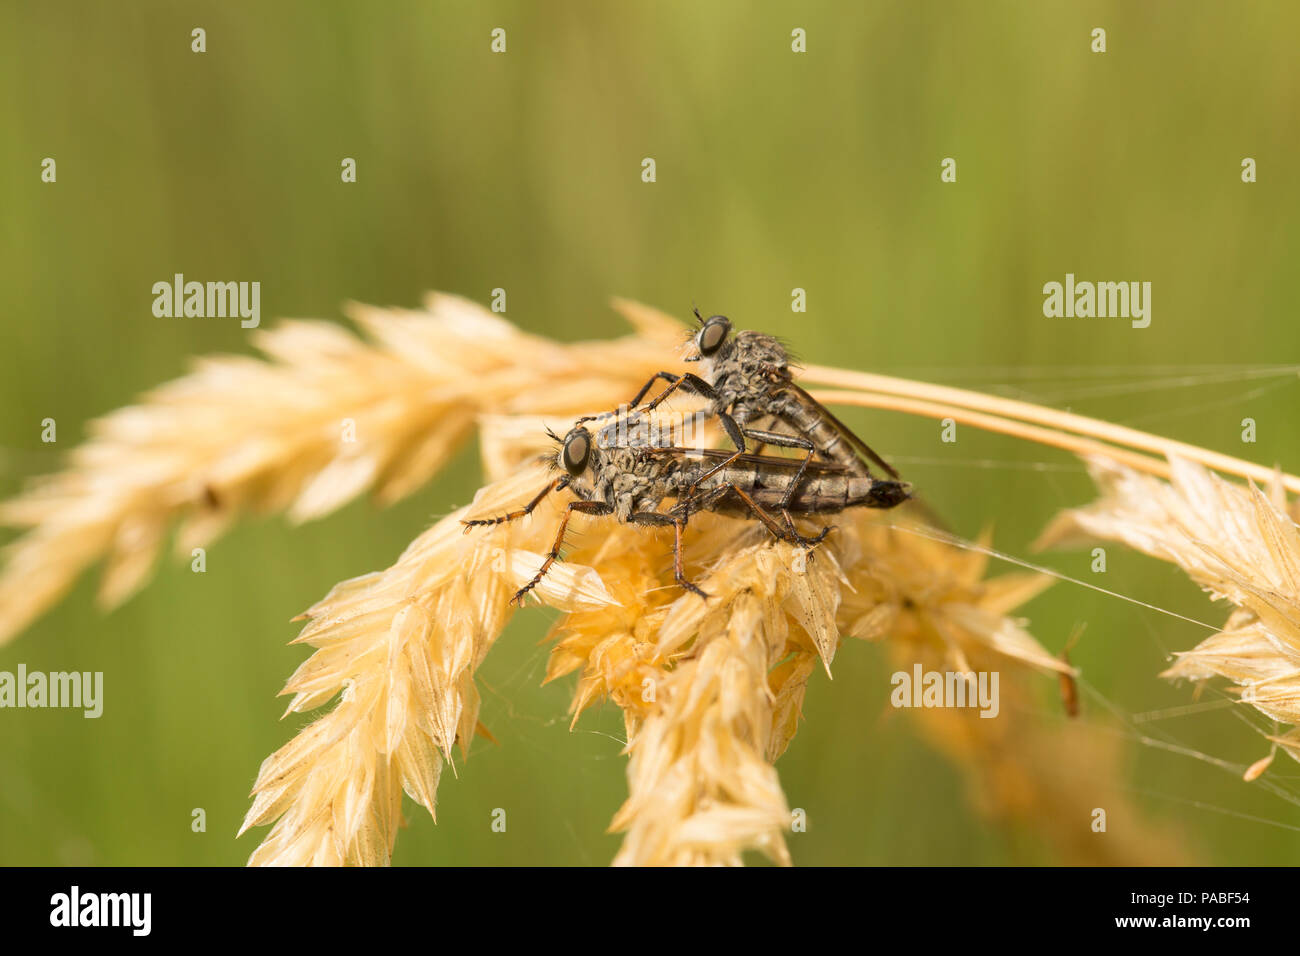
column 792, row 359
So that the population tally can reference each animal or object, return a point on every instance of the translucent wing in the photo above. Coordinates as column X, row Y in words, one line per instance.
column 844, row 431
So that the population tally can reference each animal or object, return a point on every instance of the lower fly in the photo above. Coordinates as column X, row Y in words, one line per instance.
column 631, row 482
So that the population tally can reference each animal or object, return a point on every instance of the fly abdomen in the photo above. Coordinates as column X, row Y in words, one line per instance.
column 808, row 422
column 831, row 494
column 869, row 492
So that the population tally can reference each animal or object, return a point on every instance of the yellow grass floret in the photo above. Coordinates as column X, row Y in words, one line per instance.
column 1239, row 544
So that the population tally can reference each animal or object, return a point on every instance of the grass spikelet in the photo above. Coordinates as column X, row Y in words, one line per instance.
column 400, row 647
column 711, row 692
column 914, row 588
column 702, row 786
column 931, row 604
column 325, row 416
column 1239, row 544
column 695, row 681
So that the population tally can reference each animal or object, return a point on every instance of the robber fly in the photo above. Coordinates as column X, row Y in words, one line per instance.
column 632, row 481
column 746, row 379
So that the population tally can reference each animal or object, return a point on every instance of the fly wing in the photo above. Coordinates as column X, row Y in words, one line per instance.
column 845, row 432
column 773, row 462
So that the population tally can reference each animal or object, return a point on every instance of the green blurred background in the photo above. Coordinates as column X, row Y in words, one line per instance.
column 775, row 170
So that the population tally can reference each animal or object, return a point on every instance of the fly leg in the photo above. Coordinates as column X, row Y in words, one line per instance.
column 657, row 519
column 672, row 380
column 692, row 382
column 760, row 513
column 668, row 377
column 806, row 542
column 782, row 441
column 678, row 527
column 763, row 438
column 787, row 441
column 674, row 383
column 791, row 441
column 787, row 533
column 586, row 507
column 556, row 485
column 737, row 439
column 689, row 381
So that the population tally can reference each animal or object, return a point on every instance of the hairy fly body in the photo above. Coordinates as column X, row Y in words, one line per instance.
column 746, row 380
column 631, row 482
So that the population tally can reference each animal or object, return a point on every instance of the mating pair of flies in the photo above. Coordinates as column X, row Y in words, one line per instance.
column 745, row 380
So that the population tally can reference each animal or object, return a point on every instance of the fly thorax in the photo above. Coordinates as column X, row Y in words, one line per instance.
column 756, row 352
column 606, row 476
column 783, row 402
column 744, row 413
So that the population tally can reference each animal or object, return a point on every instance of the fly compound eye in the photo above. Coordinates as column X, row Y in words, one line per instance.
column 714, row 333
column 577, row 449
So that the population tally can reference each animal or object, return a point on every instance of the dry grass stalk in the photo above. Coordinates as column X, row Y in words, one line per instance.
column 997, row 414
column 1237, row 543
